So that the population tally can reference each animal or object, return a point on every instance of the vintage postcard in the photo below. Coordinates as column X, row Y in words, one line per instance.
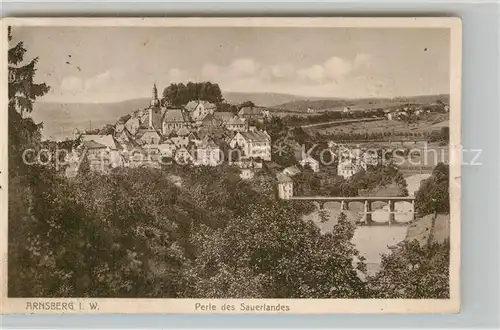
column 230, row 165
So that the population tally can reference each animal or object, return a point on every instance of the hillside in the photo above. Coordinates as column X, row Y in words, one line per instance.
column 61, row 119
column 261, row 99
column 338, row 104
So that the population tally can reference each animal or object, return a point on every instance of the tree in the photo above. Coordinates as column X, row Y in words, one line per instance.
column 413, row 272
column 433, row 195
column 445, row 134
column 22, row 92
column 272, row 252
column 247, row 104
column 180, row 94
column 170, row 95
column 23, row 134
column 227, row 107
column 107, row 129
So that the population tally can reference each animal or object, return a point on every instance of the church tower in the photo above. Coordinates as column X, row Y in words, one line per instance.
column 155, row 103
column 154, row 110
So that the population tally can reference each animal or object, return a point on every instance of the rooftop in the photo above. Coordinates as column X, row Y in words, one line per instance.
column 236, row 121
column 255, row 136
column 107, row 140
column 191, row 105
column 292, row 170
column 250, row 111
column 173, row 115
column 283, row 178
column 223, row 116
column 183, row 131
column 92, row 145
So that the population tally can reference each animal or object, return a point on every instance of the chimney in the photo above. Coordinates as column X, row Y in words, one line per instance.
column 150, row 117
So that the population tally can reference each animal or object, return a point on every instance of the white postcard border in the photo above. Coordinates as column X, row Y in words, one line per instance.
column 296, row 306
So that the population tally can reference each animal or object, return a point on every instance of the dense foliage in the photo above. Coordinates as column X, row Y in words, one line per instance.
column 180, row 94
column 442, row 136
column 135, row 233
column 414, row 271
column 433, row 195
column 363, row 183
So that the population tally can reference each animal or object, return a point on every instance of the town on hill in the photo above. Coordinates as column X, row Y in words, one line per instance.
column 192, row 133
column 196, row 128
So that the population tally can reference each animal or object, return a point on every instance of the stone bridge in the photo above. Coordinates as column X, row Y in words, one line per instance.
column 367, row 201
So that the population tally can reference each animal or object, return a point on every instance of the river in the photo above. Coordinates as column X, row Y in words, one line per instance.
column 373, row 241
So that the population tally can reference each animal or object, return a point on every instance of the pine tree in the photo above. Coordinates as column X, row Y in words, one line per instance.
column 22, row 89
column 23, row 132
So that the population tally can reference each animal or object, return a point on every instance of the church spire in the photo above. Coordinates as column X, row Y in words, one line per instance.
column 155, row 91
column 154, row 100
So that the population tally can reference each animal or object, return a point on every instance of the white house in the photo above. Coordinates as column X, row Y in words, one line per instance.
column 236, row 124
column 313, row 163
column 150, row 137
column 199, row 109
column 247, row 173
column 285, row 186
column 173, row 119
column 208, row 153
column 253, row 144
column 291, row 171
column 347, row 169
column 167, row 148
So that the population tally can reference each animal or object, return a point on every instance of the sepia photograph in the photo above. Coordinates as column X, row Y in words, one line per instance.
column 230, row 165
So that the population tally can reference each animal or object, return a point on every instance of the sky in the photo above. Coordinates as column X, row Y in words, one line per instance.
column 110, row 64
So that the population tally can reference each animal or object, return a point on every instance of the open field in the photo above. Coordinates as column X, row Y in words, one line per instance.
column 340, row 122
column 282, row 114
column 433, row 122
column 360, row 104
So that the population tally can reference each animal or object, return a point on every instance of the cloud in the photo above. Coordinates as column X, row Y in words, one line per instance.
column 103, row 86
column 315, row 73
column 78, row 84
column 72, row 84
column 282, row 71
column 210, row 70
column 334, row 76
column 98, row 81
column 336, row 67
column 176, row 74
column 243, row 67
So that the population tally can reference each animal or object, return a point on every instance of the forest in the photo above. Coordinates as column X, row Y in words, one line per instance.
column 180, row 94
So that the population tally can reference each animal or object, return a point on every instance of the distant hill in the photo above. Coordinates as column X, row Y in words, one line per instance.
column 358, row 104
column 61, row 119
column 264, row 99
